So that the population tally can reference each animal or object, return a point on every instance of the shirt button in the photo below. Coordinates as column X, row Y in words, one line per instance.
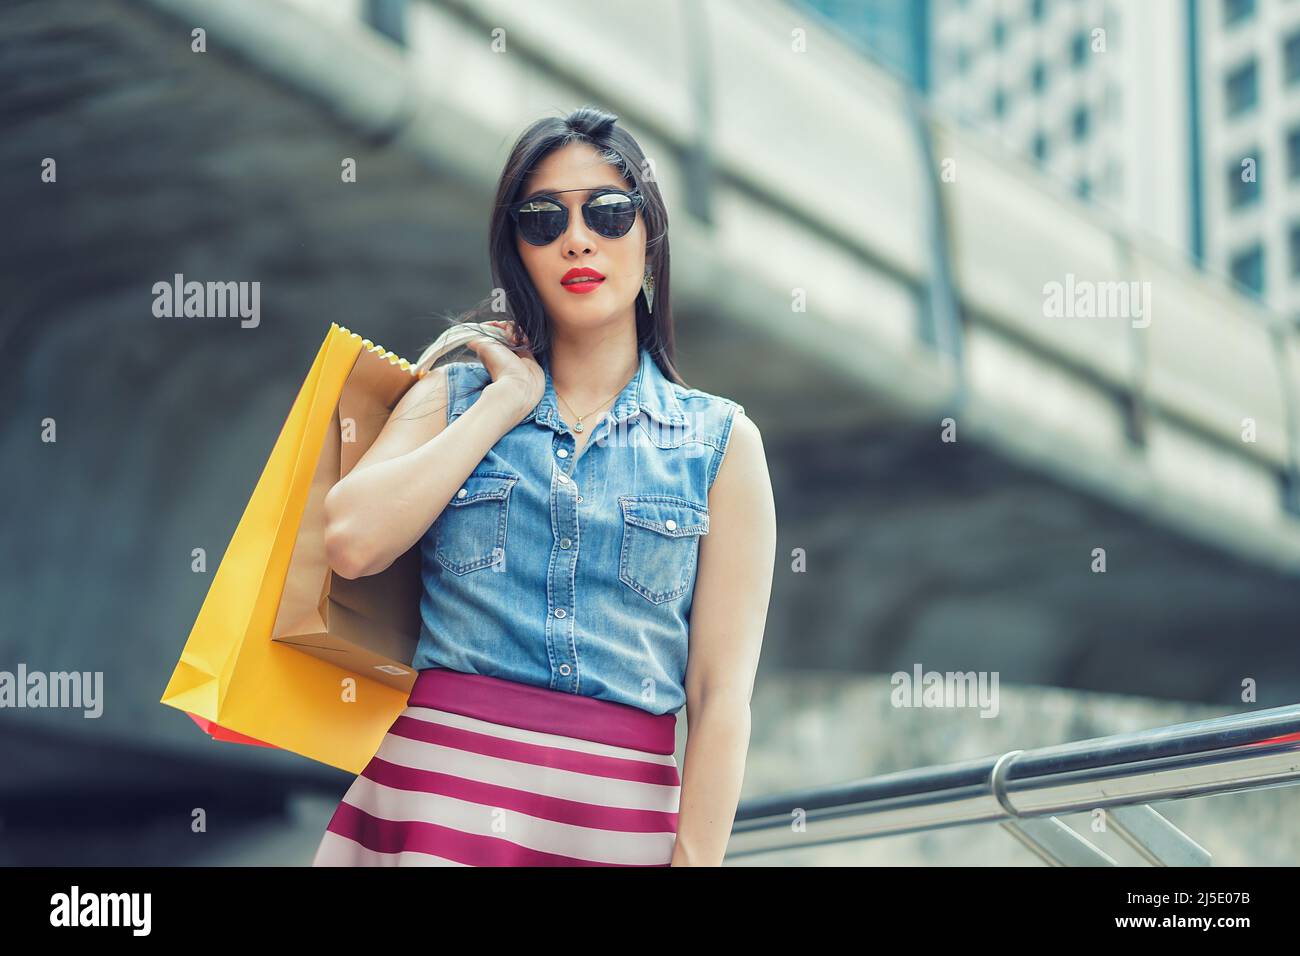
column 670, row 524
column 563, row 453
column 565, row 668
column 563, row 477
column 462, row 493
column 579, row 499
column 565, row 542
column 559, row 612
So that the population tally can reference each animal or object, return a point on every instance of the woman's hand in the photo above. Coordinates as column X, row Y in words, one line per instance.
column 515, row 374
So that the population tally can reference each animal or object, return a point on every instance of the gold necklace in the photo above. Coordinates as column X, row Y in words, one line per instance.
column 578, row 425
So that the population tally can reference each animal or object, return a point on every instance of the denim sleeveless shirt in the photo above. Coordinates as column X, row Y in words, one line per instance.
column 576, row 572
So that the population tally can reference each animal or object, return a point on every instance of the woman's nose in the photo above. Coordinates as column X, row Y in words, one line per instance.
column 577, row 237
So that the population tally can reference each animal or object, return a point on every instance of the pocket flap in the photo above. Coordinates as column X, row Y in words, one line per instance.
column 482, row 485
column 670, row 516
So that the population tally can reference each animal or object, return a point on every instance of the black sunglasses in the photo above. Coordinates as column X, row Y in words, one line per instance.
column 542, row 219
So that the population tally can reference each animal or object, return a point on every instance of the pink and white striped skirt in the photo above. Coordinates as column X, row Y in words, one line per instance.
column 480, row 771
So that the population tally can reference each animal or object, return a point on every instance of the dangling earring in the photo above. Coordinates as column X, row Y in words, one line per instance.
column 648, row 287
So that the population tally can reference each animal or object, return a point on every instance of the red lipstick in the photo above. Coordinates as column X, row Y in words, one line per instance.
column 582, row 281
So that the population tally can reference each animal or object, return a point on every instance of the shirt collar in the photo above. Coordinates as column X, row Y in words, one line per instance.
column 648, row 391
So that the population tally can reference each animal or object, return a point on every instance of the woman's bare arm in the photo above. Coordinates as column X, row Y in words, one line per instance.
column 401, row 484
column 728, row 615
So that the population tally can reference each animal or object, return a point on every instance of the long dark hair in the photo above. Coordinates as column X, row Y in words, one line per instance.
column 599, row 129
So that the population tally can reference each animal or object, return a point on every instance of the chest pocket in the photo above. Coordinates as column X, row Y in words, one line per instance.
column 470, row 533
column 661, row 538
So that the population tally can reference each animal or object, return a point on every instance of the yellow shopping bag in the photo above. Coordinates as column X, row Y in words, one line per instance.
column 232, row 678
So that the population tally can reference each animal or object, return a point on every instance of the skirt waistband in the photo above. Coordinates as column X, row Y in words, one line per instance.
column 530, row 707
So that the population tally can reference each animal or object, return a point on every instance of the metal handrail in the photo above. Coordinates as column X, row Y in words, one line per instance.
column 1250, row 751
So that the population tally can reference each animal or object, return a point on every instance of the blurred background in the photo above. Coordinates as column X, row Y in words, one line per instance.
column 875, row 205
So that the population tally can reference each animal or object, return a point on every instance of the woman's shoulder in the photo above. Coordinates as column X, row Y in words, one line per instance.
column 719, row 421
column 713, row 418
column 730, row 432
column 457, row 383
column 698, row 400
column 470, row 369
column 464, row 379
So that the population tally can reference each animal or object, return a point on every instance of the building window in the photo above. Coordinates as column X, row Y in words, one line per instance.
column 1234, row 11
column 1083, row 187
column 1294, row 243
column 1079, row 49
column 999, row 102
column 1038, row 76
column 1247, row 268
column 1040, row 147
column 1241, row 88
column 999, row 32
column 1291, row 59
column 1293, row 153
column 1037, row 9
column 1243, row 192
column 1079, row 123
column 963, row 59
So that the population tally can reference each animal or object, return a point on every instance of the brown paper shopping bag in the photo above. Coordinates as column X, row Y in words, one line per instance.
column 232, row 678
column 369, row 625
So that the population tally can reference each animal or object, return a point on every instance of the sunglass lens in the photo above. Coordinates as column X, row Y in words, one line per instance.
column 611, row 214
column 541, row 221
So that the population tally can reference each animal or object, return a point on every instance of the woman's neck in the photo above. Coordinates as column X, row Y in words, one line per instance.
column 589, row 370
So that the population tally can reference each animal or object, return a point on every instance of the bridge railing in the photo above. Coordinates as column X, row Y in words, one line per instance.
column 1025, row 790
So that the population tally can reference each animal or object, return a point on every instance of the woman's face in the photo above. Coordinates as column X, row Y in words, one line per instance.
column 621, row 261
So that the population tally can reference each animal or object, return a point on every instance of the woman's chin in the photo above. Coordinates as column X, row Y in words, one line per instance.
column 589, row 312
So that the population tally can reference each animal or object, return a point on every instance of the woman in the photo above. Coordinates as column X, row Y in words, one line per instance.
column 563, row 576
